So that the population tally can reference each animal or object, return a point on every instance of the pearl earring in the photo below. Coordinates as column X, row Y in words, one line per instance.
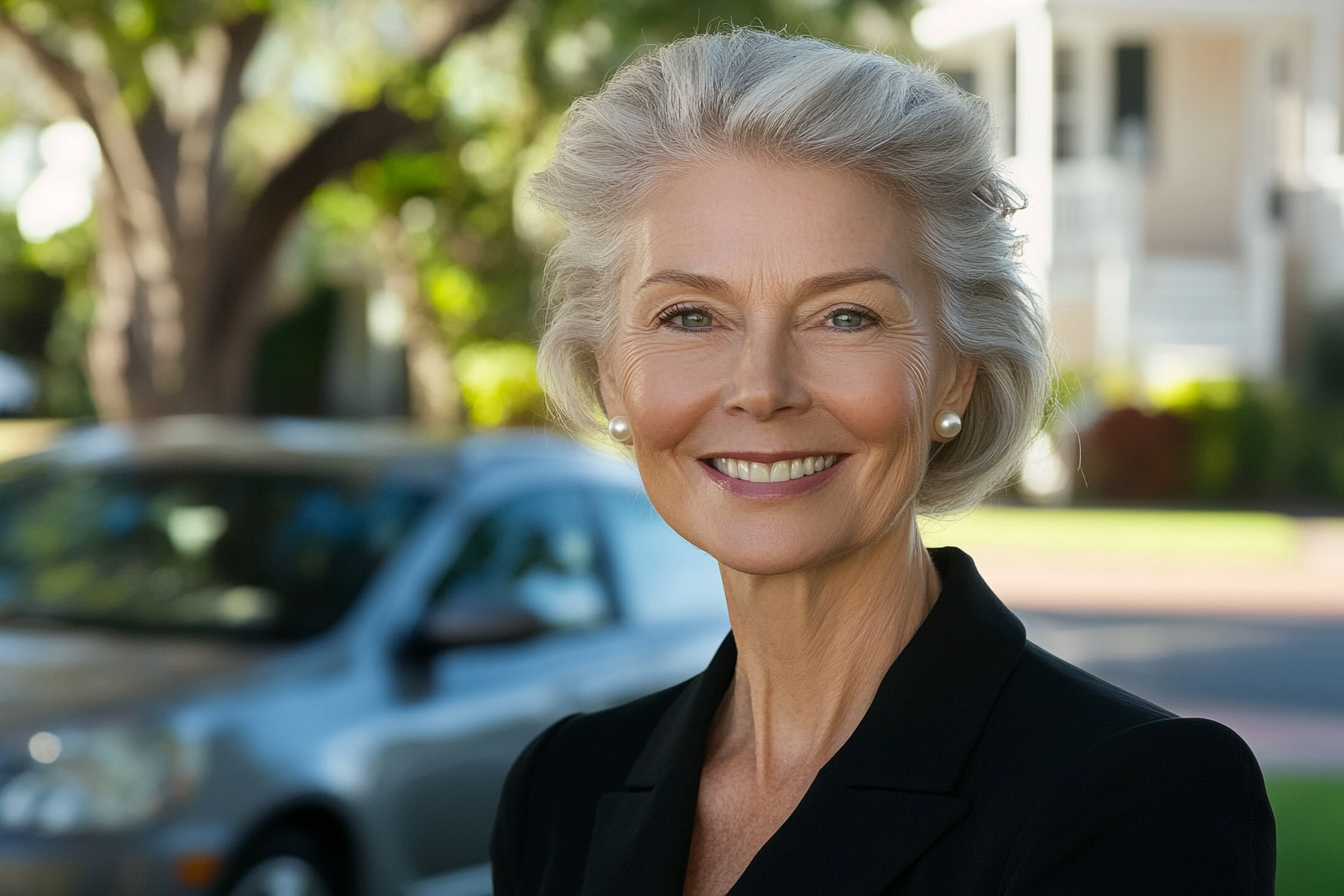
column 947, row 424
column 619, row 429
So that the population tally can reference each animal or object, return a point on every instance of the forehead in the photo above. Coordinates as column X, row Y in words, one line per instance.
column 753, row 221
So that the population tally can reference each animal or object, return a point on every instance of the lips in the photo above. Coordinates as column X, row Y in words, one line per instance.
column 778, row 471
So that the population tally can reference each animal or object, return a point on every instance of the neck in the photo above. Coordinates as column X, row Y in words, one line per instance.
column 813, row 646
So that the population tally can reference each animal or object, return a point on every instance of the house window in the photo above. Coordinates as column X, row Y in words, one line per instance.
column 963, row 78
column 1067, row 104
column 1131, row 135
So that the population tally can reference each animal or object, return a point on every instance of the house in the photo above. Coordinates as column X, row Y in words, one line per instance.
column 1184, row 168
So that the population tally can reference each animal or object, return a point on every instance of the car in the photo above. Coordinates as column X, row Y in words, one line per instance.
column 297, row 658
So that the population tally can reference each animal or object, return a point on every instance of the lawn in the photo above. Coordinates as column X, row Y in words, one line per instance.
column 1174, row 533
column 1309, row 811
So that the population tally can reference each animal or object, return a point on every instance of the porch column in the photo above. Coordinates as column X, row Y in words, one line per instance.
column 1094, row 49
column 1036, row 139
column 993, row 82
column 1261, row 241
column 1325, row 82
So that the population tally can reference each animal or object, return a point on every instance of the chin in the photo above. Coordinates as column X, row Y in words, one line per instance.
column 761, row 566
column 777, row 556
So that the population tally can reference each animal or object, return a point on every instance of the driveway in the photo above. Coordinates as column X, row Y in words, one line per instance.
column 1277, row 681
column 1253, row 638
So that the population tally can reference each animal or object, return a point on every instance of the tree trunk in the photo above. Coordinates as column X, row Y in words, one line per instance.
column 182, row 271
column 436, row 402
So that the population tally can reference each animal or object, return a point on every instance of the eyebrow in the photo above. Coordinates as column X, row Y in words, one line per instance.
column 822, row 283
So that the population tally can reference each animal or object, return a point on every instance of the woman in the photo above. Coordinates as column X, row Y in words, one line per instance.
column 788, row 280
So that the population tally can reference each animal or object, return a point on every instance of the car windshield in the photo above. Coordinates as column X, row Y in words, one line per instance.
column 246, row 552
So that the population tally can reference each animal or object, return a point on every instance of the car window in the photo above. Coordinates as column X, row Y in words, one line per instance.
column 537, row 552
column 254, row 553
column 660, row 576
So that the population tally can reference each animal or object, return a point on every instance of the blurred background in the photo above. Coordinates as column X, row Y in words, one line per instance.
column 318, row 210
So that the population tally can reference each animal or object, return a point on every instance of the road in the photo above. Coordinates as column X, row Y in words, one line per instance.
column 1277, row 681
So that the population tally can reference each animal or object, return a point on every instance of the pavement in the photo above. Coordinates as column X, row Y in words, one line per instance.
column 1256, row 643
column 1308, row 583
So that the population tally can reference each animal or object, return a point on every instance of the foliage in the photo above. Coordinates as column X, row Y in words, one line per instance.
column 1225, row 442
column 216, row 121
column 45, row 307
column 499, row 383
column 452, row 191
column 1325, row 372
column 473, row 235
column 293, row 356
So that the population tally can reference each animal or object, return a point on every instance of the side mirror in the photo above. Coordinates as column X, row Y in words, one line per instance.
column 457, row 626
column 466, row 618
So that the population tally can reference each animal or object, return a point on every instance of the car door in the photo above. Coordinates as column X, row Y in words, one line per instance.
column 459, row 729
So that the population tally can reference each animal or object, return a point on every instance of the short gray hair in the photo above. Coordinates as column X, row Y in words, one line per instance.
column 799, row 100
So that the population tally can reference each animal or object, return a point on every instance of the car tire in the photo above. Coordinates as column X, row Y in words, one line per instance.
column 284, row 863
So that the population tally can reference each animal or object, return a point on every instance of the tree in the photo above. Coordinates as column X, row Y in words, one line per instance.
column 195, row 201
column 460, row 215
column 184, row 253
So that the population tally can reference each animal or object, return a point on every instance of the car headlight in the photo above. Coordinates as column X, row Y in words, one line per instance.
column 107, row 778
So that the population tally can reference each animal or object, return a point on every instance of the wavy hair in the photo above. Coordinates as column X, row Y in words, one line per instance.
column 799, row 100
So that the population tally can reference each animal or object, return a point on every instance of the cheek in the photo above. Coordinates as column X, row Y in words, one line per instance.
column 880, row 395
column 666, row 390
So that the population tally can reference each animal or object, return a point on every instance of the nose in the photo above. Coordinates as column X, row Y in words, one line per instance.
column 765, row 378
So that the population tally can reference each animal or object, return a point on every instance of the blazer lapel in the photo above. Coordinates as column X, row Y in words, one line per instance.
column 642, row 835
column 882, row 800
column 887, row 794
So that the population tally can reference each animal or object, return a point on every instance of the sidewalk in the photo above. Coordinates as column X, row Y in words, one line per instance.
column 1302, row 574
column 1130, row 582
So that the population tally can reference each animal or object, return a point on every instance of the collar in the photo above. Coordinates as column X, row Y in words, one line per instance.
column 879, row 803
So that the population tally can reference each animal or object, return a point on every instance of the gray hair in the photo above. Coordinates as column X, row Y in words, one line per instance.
column 799, row 100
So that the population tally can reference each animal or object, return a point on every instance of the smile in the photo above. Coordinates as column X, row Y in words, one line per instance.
column 779, row 471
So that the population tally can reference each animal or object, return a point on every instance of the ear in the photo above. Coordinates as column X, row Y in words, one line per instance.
column 956, row 394
column 612, row 401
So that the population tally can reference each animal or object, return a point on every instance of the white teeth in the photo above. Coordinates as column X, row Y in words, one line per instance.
column 779, row 471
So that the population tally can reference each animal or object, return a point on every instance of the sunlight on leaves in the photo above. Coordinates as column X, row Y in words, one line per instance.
column 498, row 381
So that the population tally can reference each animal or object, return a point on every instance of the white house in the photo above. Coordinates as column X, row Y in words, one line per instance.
column 1183, row 162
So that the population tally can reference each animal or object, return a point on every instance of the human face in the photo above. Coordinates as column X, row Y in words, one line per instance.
column 776, row 314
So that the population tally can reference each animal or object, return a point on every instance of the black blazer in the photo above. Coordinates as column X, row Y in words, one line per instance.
column 984, row 766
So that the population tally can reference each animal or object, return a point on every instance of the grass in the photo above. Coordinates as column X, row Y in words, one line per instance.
column 1309, row 812
column 1168, row 533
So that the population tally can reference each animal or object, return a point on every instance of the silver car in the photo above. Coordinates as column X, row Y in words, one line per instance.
column 296, row 658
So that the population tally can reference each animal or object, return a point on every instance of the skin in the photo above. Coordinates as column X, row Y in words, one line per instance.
column 768, row 313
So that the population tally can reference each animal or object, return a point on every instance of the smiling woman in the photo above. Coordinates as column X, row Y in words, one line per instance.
column 768, row 314
column 788, row 283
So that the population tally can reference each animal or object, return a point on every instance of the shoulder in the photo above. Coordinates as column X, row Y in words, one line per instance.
column 1107, row 780
column 597, row 749
column 1177, row 805
column 1053, row 719
column 563, row 772
column 588, row 751
column 1073, row 697
column 1046, row 716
